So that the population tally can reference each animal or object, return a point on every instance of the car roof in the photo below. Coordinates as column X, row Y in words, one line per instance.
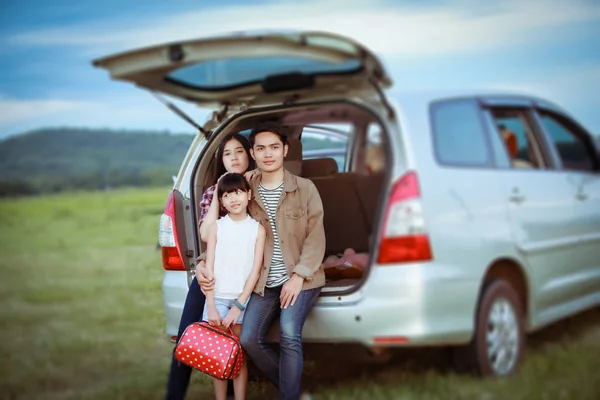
column 425, row 97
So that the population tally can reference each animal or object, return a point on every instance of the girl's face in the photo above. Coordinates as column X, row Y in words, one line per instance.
column 235, row 158
column 236, row 202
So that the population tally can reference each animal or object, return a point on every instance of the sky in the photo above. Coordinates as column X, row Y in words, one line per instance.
column 548, row 48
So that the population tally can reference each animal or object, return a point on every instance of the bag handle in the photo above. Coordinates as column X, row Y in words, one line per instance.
column 220, row 327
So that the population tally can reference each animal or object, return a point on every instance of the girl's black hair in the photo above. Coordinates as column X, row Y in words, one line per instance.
column 245, row 144
column 231, row 183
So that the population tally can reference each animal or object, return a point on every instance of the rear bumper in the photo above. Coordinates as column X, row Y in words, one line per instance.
column 412, row 305
column 408, row 305
column 175, row 288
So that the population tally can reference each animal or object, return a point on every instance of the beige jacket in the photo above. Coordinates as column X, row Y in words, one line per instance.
column 299, row 221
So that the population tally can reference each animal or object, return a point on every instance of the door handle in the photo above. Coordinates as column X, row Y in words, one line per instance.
column 581, row 196
column 516, row 198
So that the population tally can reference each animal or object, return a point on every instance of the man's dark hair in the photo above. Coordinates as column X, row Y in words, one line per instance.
column 232, row 183
column 267, row 127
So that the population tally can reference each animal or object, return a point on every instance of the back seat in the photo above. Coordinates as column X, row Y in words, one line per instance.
column 350, row 203
column 315, row 167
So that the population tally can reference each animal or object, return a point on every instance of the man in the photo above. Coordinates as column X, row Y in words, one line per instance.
column 290, row 209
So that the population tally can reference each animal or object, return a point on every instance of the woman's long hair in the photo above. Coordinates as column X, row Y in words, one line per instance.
column 245, row 144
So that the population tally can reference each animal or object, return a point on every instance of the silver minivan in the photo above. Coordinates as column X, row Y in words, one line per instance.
column 480, row 212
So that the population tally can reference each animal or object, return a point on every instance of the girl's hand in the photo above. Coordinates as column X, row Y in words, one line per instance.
column 214, row 318
column 231, row 317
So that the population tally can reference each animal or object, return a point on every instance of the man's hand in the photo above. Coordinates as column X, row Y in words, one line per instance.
column 290, row 291
column 231, row 317
column 204, row 278
column 214, row 318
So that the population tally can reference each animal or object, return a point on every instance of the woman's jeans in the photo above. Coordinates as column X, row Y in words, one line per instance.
column 284, row 370
column 179, row 375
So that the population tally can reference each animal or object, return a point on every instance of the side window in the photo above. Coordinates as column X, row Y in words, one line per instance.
column 374, row 150
column 572, row 145
column 326, row 141
column 517, row 135
column 459, row 136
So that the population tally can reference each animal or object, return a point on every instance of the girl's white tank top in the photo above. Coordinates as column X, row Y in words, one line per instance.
column 234, row 255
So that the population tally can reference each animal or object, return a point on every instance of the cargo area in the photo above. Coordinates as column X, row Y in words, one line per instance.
column 341, row 148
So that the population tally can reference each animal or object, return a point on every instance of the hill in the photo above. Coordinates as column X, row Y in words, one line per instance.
column 51, row 160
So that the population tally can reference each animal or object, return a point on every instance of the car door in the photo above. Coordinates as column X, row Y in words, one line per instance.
column 540, row 209
column 577, row 160
column 233, row 73
column 243, row 70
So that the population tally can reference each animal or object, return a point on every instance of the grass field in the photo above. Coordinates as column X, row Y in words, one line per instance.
column 82, row 318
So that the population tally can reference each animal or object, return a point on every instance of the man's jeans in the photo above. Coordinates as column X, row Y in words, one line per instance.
column 284, row 370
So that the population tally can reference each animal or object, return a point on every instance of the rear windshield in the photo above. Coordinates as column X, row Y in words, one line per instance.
column 232, row 72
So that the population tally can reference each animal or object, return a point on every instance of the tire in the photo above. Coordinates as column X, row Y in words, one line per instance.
column 498, row 345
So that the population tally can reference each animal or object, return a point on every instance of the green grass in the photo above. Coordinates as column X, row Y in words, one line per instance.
column 82, row 318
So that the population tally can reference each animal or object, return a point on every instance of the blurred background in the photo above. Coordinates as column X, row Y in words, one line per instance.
column 86, row 164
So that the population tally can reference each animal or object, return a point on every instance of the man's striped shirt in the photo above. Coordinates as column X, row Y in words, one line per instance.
column 278, row 273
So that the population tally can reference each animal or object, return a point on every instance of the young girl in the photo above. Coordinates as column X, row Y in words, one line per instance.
column 234, row 256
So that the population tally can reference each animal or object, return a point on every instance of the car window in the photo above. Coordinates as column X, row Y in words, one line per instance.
column 516, row 133
column 326, row 140
column 573, row 149
column 499, row 149
column 374, row 149
column 220, row 74
column 459, row 135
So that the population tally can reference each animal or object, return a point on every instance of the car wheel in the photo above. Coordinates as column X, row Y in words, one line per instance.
column 497, row 347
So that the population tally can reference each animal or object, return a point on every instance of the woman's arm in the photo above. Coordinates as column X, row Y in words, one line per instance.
column 212, row 214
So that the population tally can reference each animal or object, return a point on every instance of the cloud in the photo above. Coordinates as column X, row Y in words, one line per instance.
column 421, row 43
column 570, row 85
column 390, row 29
column 138, row 110
column 21, row 110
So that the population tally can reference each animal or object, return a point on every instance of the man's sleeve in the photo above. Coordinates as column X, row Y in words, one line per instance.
column 313, row 249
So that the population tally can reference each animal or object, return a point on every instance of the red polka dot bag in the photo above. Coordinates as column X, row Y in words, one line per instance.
column 211, row 350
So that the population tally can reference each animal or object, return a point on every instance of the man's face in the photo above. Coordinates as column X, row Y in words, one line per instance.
column 268, row 151
column 235, row 202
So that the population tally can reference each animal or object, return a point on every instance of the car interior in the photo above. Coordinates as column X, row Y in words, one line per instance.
column 351, row 197
column 518, row 139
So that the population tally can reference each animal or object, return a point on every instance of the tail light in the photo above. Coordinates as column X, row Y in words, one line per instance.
column 167, row 238
column 404, row 238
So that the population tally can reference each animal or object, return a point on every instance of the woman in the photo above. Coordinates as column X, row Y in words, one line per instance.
column 233, row 155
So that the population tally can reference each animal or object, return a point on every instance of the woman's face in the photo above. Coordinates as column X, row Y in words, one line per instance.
column 235, row 158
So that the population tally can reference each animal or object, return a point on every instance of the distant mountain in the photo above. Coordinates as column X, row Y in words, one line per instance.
column 50, row 160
